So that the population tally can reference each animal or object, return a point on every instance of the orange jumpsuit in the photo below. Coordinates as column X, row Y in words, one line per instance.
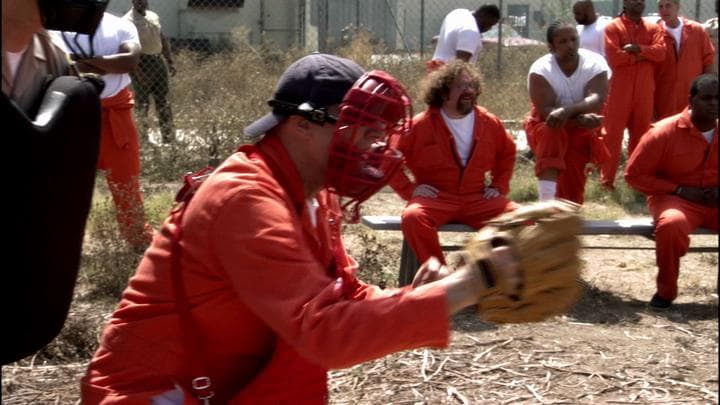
column 630, row 96
column 568, row 149
column 120, row 158
column 675, row 74
column 432, row 158
column 674, row 153
column 261, row 280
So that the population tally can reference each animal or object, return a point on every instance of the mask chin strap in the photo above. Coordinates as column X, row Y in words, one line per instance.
column 77, row 49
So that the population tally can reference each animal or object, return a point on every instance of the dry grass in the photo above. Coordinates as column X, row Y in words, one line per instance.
column 609, row 349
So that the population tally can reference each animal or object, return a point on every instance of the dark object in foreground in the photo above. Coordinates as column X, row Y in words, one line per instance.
column 50, row 175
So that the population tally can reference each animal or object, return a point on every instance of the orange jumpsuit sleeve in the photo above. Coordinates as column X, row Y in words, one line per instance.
column 614, row 42
column 643, row 166
column 261, row 245
column 708, row 50
column 502, row 170
column 654, row 52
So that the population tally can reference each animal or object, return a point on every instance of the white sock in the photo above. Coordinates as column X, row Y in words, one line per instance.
column 547, row 189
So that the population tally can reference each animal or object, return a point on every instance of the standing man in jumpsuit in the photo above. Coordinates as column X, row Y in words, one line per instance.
column 461, row 158
column 117, row 50
column 711, row 28
column 268, row 287
column 633, row 47
column 567, row 89
column 676, row 166
column 460, row 35
column 688, row 54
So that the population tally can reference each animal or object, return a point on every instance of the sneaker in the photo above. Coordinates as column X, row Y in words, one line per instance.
column 658, row 302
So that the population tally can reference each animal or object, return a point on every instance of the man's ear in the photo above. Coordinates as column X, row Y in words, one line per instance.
column 298, row 124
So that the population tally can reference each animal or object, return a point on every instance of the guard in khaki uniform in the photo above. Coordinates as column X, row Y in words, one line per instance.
column 461, row 158
column 151, row 79
column 633, row 48
column 676, row 166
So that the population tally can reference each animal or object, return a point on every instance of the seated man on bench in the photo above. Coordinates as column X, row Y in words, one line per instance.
column 676, row 166
column 453, row 148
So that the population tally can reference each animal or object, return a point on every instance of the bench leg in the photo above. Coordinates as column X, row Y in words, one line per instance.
column 408, row 265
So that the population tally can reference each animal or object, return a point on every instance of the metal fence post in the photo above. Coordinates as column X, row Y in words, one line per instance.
column 322, row 25
column 697, row 10
column 498, row 66
column 422, row 29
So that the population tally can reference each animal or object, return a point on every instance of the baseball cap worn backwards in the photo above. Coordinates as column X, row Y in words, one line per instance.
column 312, row 82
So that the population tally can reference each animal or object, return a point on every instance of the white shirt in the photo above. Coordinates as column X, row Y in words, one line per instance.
column 111, row 32
column 675, row 32
column 458, row 32
column 592, row 36
column 462, row 130
column 14, row 59
column 569, row 90
column 709, row 135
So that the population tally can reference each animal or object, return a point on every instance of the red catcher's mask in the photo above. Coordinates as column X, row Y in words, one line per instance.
column 374, row 115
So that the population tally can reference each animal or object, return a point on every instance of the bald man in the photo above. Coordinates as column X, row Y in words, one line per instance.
column 591, row 26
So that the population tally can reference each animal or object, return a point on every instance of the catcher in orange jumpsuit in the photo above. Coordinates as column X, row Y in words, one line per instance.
column 567, row 89
column 688, row 54
column 116, row 50
column 676, row 165
column 247, row 294
column 453, row 146
column 633, row 47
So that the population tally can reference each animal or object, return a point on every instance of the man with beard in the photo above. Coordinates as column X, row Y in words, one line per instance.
column 591, row 27
column 461, row 159
column 567, row 89
column 633, row 47
column 676, row 166
column 688, row 54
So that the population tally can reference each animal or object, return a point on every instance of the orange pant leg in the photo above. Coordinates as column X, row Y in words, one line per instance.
column 549, row 145
column 674, row 219
column 566, row 149
column 640, row 120
column 476, row 213
column 420, row 221
column 122, row 166
column 617, row 113
column 571, row 181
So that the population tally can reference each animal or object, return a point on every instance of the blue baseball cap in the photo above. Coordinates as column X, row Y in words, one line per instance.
column 318, row 80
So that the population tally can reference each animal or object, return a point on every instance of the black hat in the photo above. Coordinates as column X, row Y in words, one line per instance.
column 316, row 81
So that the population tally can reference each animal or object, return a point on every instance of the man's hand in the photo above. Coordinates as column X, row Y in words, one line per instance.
column 632, row 48
column 491, row 192
column 557, row 118
column 431, row 270
column 589, row 120
column 425, row 190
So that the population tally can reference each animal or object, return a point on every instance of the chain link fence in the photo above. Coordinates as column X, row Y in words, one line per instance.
column 228, row 55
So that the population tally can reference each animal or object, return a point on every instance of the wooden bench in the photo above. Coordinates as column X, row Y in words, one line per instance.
column 632, row 226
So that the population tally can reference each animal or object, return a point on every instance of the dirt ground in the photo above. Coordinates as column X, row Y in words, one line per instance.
column 609, row 349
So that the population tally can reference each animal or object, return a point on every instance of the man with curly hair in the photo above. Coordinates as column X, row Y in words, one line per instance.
column 461, row 159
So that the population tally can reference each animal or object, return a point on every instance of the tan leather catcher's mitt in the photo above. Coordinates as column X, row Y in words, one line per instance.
column 543, row 238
